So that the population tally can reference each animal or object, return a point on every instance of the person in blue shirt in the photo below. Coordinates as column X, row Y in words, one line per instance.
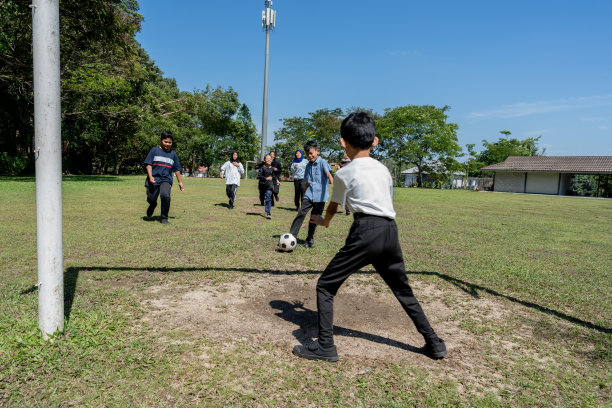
column 298, row 167
column 160, row 163
column 318, row 177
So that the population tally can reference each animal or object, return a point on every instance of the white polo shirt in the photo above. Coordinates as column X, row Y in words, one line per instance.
column 365, row 186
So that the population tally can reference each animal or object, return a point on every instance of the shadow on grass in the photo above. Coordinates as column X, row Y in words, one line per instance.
column 93, row 178
column 64, row 178
column 307, row 320
column 21, row 179
column 226, row 205
column 291, row 209
column 256, row 213
column 71, row 276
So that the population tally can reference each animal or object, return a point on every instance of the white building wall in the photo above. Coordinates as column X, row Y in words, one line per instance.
column 542, row 183
column 509, row 182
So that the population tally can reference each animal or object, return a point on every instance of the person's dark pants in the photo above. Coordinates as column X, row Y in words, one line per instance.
column 371, row 240
column 230, row 190
column 276, row 191
column 307, row 205
column 268, row 199
column 157, row 190
column 262, row 194
column 299, row 186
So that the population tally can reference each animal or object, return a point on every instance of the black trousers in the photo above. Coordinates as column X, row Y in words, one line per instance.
column 299, row 187
column 307, row 205
column 230, row 190
column 371, row 240
column 163, row 190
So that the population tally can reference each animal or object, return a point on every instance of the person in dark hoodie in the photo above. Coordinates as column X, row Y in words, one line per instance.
column 278, row 169
column 267, row 181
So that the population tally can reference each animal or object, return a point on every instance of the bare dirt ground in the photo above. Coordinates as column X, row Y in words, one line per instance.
column 369, row 323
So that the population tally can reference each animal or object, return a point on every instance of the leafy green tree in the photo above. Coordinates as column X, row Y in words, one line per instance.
column 323, row 126
column 98, row 62
column 497, row 152
column 421, row 136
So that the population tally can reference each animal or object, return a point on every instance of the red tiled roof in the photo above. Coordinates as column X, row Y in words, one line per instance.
column 555, row 164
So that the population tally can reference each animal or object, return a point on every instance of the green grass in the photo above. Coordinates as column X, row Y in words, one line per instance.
column 547, row 259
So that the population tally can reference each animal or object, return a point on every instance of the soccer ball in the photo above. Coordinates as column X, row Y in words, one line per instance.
column 287, row 242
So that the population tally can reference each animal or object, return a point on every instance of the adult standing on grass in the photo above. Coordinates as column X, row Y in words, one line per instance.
column 160, row 163
column 365, row 186
column 278, row 170
column 298, row 167
column 232, row 170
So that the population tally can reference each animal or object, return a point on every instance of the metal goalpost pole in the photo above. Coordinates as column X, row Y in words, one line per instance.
column 47, row 132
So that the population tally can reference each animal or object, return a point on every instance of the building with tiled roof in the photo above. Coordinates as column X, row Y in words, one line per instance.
column 546, row 174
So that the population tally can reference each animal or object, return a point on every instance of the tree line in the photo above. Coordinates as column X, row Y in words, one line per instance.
column 116, row 101
column 413, row 135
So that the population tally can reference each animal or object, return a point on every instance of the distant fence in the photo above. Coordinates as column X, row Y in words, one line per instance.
column 480, row 183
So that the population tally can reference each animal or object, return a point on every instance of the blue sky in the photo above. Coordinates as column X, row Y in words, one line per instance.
column 538, row 67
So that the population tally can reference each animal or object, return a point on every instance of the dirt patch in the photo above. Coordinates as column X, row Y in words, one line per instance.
column 481, row 331
column 368, row 321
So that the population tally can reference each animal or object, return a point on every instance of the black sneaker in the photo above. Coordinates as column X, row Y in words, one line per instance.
column 269, row 216
column 309, row 243
column 165, row 221
column 150, row 211
column 435, row 348
column 314, row 351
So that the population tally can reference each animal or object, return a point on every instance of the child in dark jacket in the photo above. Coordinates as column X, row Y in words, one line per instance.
column 267, row 180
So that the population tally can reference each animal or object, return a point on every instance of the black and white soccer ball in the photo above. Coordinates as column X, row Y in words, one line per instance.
column 287, row 242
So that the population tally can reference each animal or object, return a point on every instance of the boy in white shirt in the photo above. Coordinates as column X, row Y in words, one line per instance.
column 232, row 170
column 365, row 187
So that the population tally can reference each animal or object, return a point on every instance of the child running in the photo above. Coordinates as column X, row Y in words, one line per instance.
column 298, row 166
column 160, row 163
column 232, row 170
column 318, row 176
column 267, row 180
column 365, row 187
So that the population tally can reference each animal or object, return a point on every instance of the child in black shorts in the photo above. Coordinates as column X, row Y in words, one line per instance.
column 364, row 186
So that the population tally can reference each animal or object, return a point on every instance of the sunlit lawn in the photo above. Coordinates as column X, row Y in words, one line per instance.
column 549, row 256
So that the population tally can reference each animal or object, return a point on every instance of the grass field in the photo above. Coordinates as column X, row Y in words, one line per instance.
column 519, row 286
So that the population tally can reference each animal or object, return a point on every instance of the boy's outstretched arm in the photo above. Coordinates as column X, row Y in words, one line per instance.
column 332, row 208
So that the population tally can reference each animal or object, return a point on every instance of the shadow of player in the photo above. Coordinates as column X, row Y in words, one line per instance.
column 307, row 320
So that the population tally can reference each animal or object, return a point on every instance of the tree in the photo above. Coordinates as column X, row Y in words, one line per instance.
column 323, row 126
column 497, row 152
column 419, row 135
column 98, row 65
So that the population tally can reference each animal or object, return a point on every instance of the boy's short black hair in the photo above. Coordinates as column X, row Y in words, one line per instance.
column 358, row 130
column 311, row 145
column 166, row 134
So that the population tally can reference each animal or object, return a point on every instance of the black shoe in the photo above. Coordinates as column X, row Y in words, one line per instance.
column 165, row 221
column 150, row 210
column 309, row 243
column 435, row 348
column 231, row 207
column 269, row 216
column 314, row 351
